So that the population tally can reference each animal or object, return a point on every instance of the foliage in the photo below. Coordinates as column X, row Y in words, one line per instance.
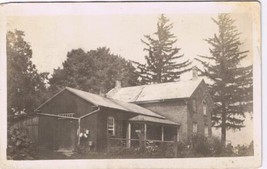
column 231, row 86
column 151, row 150
column 245, row 150
column 197, row 146
column 25, row 84
column 201, row 146
column 94, row 71
column 163, row 64
column 19, row 146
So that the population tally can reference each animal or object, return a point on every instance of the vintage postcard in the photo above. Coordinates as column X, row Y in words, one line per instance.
column 131, row 85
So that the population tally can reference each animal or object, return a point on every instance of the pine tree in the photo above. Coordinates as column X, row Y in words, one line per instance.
column 231, row 89
column 162, row 60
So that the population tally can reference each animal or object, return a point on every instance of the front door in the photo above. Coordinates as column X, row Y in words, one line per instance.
column 66, row 134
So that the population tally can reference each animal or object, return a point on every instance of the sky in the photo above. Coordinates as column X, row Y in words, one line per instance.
column 53, row 30
column 53, row 34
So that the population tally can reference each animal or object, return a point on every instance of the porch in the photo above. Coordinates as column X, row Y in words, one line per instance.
column 144, row 131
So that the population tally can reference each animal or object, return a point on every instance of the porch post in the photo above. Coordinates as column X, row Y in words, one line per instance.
column 79, row 130
column 162, row 133
column 145, row 131
column 176, row 140
column 178, row 134
column 128, row 135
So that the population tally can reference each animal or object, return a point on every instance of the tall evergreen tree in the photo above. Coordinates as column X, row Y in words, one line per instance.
column 25, row 86
column 163, row 63
column 231, row 85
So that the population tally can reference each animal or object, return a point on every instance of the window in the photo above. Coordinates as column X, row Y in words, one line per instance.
column 204, row 107
column 194, row 127
column 206, row 132
column 65, row 115
column 194, row 105
column 111, row 126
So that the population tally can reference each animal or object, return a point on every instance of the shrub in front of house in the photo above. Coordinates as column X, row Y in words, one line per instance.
column 197, row 146
column 201, row 146
column 19, row 145
column 149, row 150
column 154, row 149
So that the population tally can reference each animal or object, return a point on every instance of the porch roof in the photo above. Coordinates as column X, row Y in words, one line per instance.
column 142, row 118
column 112, row 103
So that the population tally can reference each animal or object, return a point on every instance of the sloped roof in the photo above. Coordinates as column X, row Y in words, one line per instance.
column 161, row 91
column 142, row 118
column 108, row 102
column 112, row 103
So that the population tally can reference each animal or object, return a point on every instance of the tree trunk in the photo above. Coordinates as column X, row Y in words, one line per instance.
column 223, row 125
column 223, row 137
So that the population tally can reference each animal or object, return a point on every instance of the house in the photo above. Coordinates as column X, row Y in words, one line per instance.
column 125, row 115
column 71, row 112
column 187, row 103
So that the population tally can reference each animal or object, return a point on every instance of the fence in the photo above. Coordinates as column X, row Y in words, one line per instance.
column 28, row 125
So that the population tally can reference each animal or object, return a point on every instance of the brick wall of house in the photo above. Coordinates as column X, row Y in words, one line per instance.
column 198, row 117
column 175, row 110
column 180, row 110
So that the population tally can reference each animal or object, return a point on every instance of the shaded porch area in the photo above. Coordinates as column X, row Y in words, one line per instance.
column 143, row 130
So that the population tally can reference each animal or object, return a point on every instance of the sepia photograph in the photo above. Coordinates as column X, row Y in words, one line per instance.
column 131, row 84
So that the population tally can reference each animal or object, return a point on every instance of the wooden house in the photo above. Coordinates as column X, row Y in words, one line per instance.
column 158, row 112
column 71, row 112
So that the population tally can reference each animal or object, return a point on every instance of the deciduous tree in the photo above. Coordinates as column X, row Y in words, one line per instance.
column 94, row 71
column 25, row 85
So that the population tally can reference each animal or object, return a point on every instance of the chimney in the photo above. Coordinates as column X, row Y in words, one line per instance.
column 102, row 92
column 194, row 73
column 118, row 84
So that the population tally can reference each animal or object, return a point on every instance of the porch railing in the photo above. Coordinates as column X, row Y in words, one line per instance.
column 135, row 143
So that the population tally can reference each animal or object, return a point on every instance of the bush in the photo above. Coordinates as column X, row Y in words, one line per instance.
column 150, row 150
column 19, row 146
column 245, row 150
column 201, row 146
column 197, row 146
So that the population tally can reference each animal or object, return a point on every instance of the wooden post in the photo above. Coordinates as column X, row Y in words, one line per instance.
column 162, row 133
column 128, row 135
column 176, row 139
column 145, row 131
column 178, row 134
column 79, row 131
column 175, row 147
column 141, row 139
column 144, row 136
